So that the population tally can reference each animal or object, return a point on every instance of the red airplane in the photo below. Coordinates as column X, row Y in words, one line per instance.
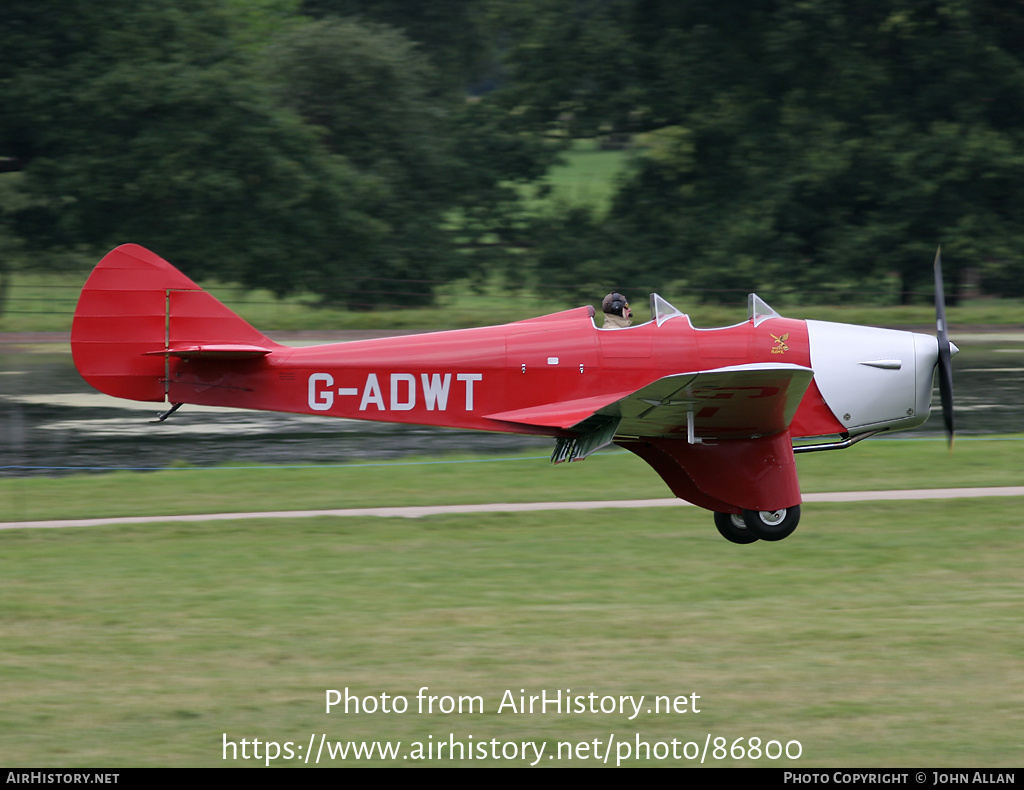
column 714, row 411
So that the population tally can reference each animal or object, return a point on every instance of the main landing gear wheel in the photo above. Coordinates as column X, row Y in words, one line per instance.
column 733, row 528
column 772, row 524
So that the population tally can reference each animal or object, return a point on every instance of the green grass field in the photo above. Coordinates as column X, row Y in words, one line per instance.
column 46, row 303
column 879, row 634
column 586, row 177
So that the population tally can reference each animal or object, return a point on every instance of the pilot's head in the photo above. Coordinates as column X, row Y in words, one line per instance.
column 617, row 304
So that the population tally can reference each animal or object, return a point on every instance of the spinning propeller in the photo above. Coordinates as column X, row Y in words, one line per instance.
column 945, row 363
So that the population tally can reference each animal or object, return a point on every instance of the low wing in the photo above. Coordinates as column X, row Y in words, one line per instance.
column 735, row 402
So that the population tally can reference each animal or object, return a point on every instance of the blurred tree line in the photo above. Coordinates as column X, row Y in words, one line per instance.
column 366, row 150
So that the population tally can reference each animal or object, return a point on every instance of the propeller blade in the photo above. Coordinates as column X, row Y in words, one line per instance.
column 945, row 356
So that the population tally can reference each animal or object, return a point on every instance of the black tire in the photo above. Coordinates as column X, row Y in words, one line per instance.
column 772, row 524
column 734, row 529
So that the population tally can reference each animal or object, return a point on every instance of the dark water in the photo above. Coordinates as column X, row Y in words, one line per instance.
column 51, row 422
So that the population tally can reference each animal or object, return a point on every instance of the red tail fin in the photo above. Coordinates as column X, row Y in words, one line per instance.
column 134, row 311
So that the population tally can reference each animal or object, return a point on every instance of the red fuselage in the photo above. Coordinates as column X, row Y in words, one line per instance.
column 457, row 378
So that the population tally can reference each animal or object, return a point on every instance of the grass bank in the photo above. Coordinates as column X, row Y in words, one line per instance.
column 46, row 303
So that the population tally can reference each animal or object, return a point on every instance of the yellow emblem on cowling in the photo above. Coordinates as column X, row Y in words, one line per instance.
column 780, row 346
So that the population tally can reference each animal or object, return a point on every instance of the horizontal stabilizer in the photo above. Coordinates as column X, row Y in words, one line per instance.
column 215, row 351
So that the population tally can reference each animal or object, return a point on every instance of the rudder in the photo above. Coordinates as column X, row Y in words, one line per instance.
column 134, row 309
